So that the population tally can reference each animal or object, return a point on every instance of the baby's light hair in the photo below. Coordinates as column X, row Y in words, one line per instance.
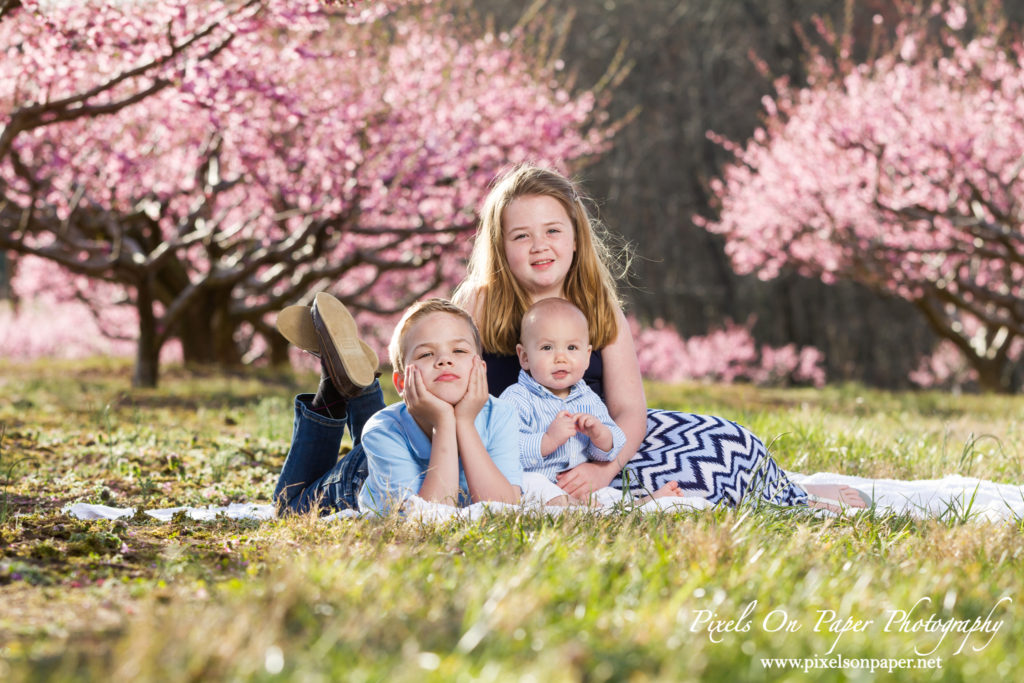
column 500, row 300
column 418, row 311
column 549, row 306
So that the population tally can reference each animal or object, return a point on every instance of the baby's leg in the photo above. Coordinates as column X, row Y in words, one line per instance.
column 671, row 489
column 539, row 490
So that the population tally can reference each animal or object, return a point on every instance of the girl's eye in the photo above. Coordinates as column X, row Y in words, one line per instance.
column 423, row 355
column 461, row 351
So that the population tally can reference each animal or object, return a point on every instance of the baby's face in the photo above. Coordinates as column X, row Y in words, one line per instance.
column 556, row 350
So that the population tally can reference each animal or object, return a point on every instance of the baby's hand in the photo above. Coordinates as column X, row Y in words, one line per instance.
column 562, row 428
column 594, row 429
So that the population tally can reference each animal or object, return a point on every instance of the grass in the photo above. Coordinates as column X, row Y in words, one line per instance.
column 507, row 597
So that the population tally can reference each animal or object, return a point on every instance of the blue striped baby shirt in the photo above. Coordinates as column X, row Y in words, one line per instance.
column 538, row 407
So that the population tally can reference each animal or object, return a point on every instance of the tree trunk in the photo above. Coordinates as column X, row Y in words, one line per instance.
column 147, row 353
column 207, row 333
column 998, row 375
column 5, row 276
column 278, row 350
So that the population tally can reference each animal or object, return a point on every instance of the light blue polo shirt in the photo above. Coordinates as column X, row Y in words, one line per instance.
column 398, row 453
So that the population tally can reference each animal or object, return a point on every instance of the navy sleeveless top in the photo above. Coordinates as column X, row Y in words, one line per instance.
column 503, row 372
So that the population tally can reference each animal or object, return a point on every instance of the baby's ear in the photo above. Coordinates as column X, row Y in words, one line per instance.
column 398, row 379
column 524, row 361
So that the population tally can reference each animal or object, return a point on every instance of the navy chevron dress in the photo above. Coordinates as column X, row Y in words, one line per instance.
column 709, row 456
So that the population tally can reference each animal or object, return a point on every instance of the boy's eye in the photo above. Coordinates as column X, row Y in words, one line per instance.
column 545, row 347
column 573, row 347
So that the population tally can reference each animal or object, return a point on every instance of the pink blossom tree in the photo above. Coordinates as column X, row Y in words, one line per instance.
column 207, row 163
column 901, row 172
column 728, row 354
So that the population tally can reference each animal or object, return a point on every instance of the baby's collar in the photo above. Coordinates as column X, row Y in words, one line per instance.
column 526, row 379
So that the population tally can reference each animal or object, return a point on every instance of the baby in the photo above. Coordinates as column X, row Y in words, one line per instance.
column 563, row 423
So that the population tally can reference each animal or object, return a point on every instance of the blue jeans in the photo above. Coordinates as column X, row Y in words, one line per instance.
column 312, row 476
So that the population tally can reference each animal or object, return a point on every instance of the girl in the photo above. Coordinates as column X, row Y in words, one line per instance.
column 536, row 241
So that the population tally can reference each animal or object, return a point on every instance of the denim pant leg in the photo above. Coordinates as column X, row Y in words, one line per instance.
column 312, row 475
column 361, row 408
column 342, row 483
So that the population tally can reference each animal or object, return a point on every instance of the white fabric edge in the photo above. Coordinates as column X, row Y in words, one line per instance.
column 950, row 496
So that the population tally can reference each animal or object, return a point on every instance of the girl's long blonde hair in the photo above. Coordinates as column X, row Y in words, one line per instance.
column 494, row 295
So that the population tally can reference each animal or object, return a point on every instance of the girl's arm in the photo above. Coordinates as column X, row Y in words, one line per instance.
column 486, row 481
column 627, row 405
column 624, row 390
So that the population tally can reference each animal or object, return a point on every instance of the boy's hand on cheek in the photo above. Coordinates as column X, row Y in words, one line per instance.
column 473, row 401
column 422, row 404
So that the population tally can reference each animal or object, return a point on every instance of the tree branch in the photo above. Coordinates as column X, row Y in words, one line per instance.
column 75, row 106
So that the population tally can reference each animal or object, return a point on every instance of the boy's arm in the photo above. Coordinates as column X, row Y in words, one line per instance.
column 394, row 474
column 487, row 481
column 441, row 481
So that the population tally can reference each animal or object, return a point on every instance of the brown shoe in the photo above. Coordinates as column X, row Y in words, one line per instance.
column 346, row 363
column 295, row 323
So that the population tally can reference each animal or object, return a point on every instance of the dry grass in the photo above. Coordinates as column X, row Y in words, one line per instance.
column 507, row 597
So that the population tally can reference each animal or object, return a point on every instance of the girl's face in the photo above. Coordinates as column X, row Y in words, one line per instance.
column 539, row 243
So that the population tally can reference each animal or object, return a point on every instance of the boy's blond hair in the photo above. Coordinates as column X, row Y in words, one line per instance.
column 500, row 301
column 419, row 310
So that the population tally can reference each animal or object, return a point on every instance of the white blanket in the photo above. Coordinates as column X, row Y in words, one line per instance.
column 952, row 496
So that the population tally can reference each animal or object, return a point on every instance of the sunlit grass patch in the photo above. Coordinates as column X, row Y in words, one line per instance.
column 509, row 596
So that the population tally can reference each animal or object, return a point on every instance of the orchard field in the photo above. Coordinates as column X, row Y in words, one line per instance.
column 508, row 597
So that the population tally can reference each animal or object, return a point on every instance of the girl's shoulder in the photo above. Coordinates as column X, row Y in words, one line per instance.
column 470, row 299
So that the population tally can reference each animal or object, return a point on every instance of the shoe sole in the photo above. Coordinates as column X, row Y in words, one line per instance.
column 339, row 343
column 295, row 323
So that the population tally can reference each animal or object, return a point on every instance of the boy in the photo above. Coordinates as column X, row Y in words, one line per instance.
column 448, row 442
column 449, row 438
column 563, row 422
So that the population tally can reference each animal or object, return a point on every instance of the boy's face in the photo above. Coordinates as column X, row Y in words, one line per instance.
column 441, row 346
column 555, row 350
